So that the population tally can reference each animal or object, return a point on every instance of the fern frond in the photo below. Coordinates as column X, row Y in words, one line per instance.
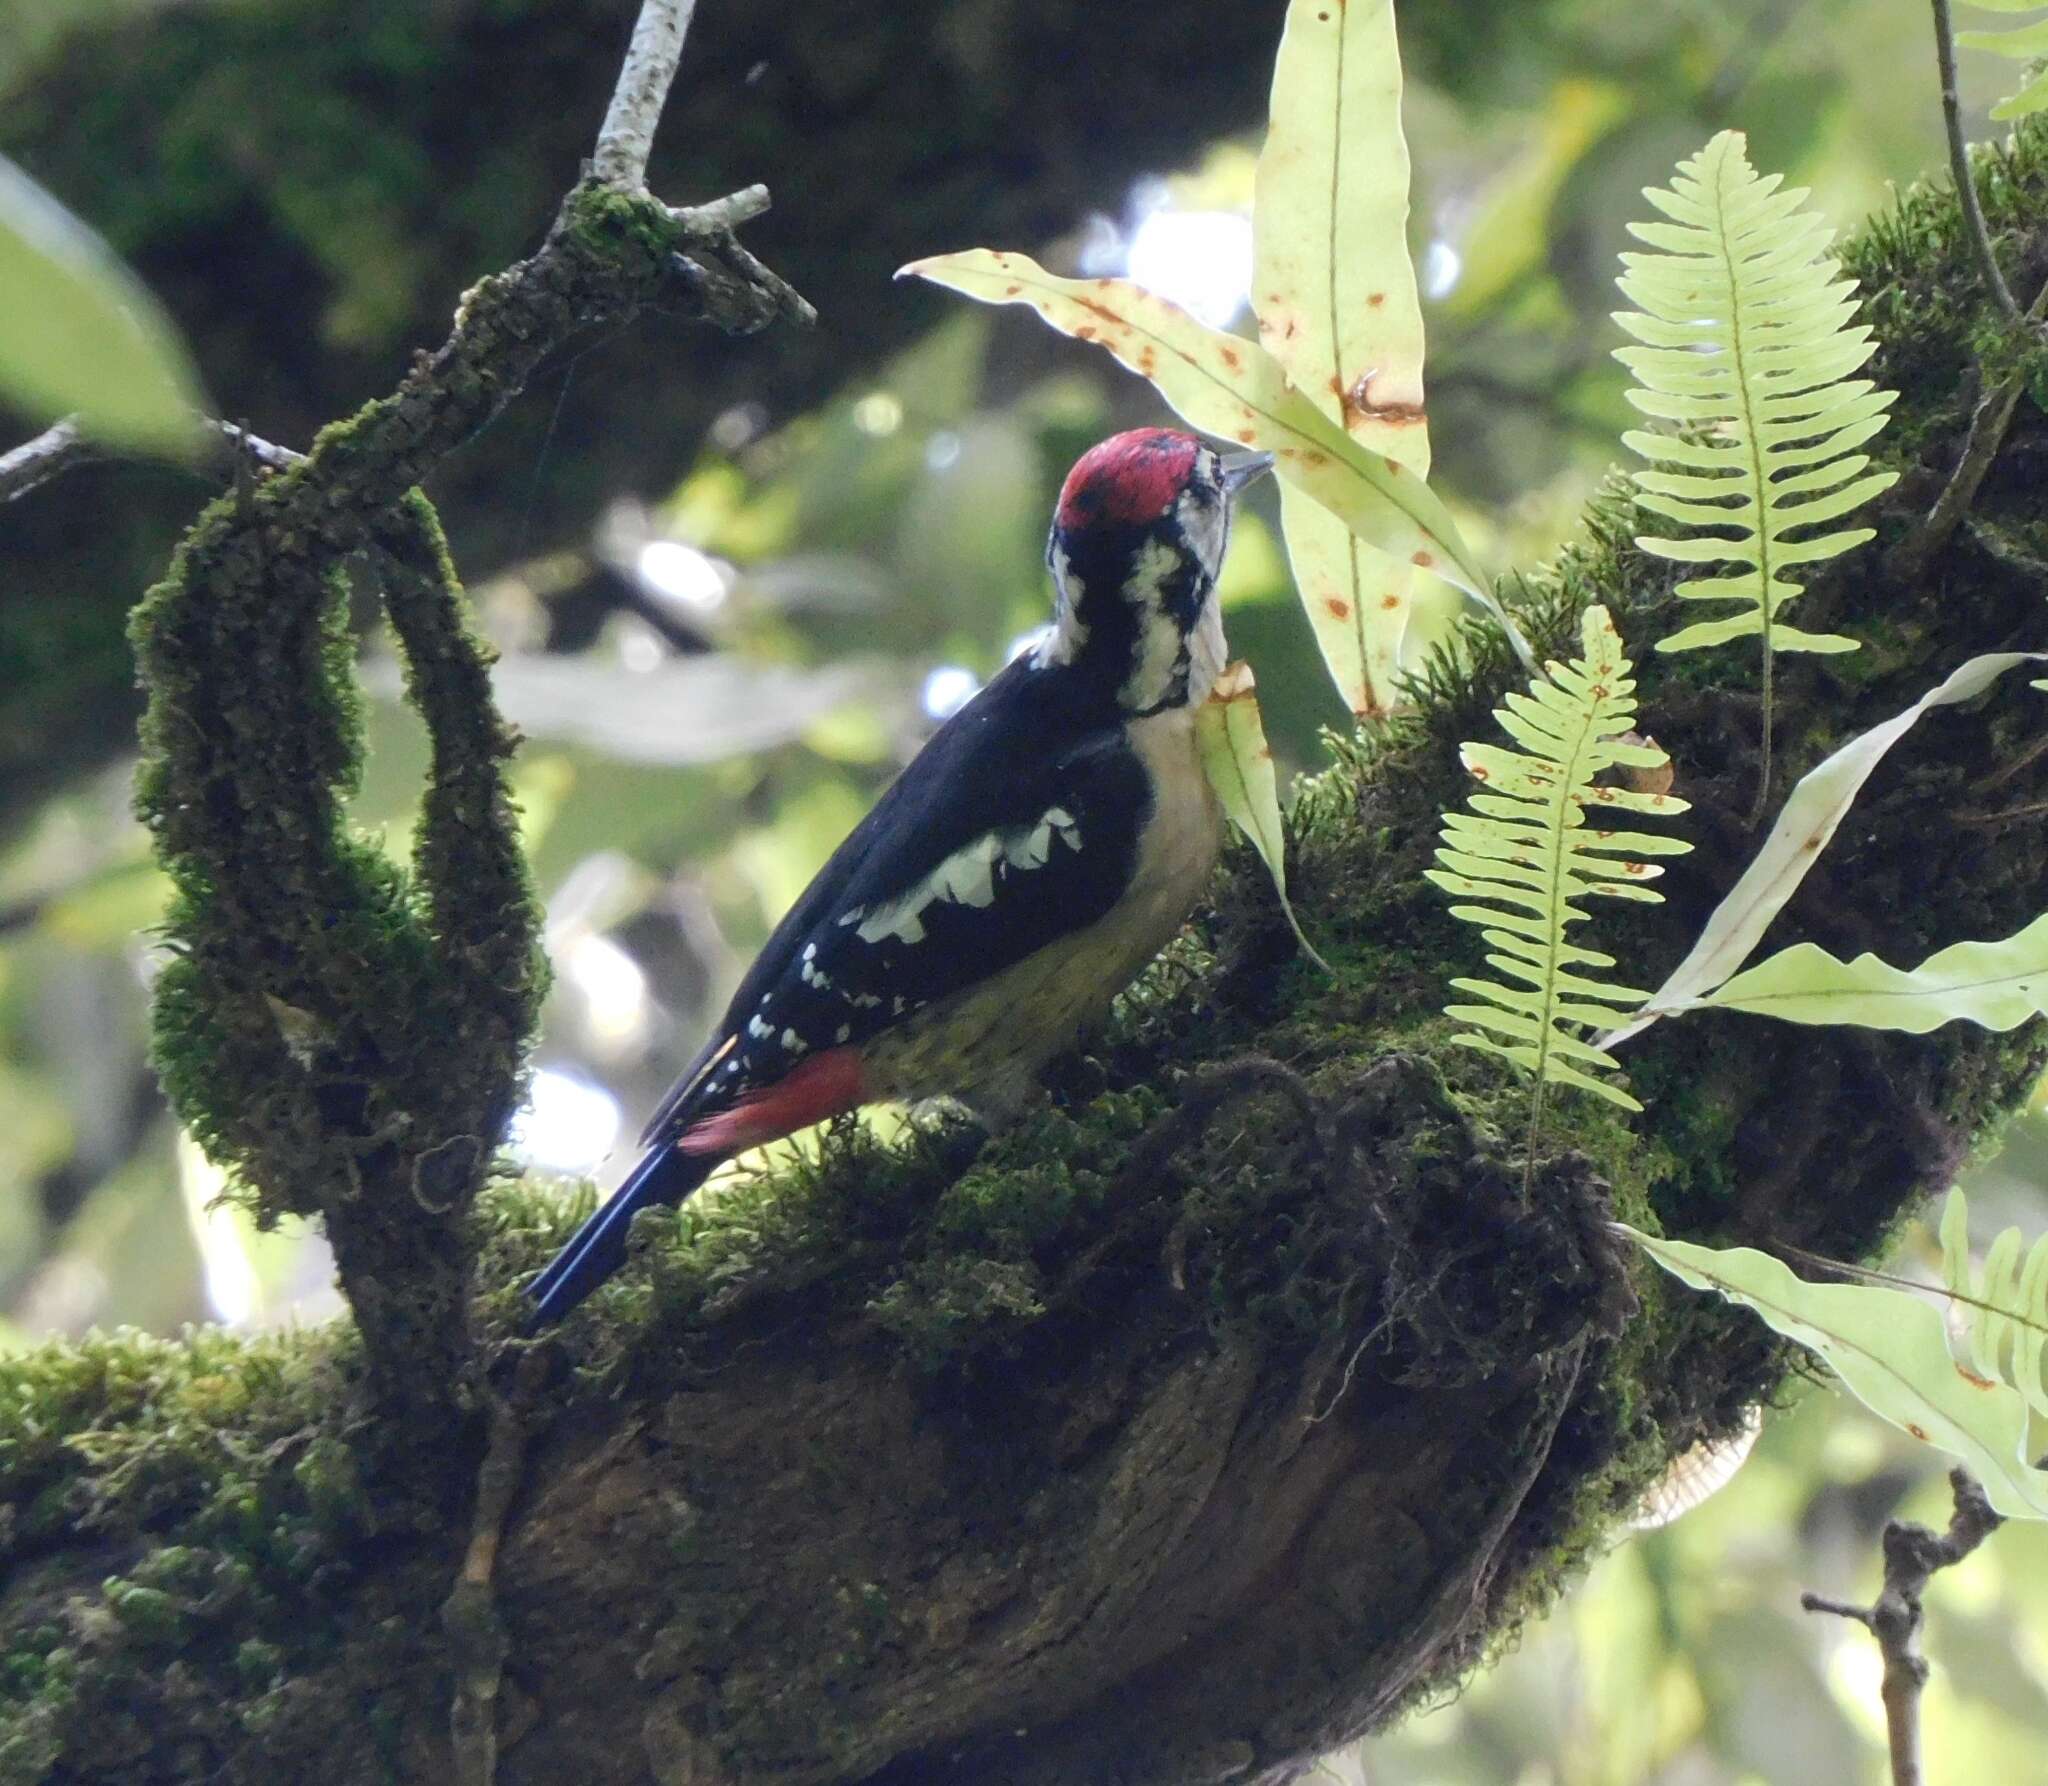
column 1536, row 841
column 2022, row 43
column 1745, row 341
column 2003, row 1302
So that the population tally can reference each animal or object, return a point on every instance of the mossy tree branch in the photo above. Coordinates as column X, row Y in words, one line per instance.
column 348, row 1039
column 880, row 1471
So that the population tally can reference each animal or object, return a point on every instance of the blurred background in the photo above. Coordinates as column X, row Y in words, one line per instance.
column 735, row 585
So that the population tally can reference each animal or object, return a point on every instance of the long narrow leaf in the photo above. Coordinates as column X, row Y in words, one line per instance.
column 1890, row 1349
column 1231, row 735
column 83, row 334
column 1999, row 985
column 2019, row 43
column 1335, row 293
column 1811, row 814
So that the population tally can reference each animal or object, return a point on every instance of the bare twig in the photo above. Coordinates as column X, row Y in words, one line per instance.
column 1959, row 166
column 626, row 137
column 58, row 449
column 1912, row 1557
column 63, row 446
column 1993, row 416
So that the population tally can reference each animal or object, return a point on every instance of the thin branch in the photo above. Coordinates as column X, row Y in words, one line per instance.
column 58, row 449
column 1913, row 1555
column 1959, row 166
column 1988, row 425
column 626, row 137
column 64, row 446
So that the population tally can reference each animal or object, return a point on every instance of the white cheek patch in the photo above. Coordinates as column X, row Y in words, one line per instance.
column 1206, row 526
column 968, row 876
column 1208, row 652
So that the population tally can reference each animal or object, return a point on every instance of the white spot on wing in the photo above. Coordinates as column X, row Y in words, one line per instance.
column 758, row 1030
column 794, row 1044
column 969, row 875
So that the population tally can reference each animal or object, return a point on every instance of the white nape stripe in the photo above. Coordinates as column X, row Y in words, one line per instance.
column 1160, row 640
column 968, row 876
column 1063, row 643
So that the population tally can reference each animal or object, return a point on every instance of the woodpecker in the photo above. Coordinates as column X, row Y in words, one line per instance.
column 1035, row 854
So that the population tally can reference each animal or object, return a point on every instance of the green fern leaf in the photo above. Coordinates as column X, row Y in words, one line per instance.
column 1745, row 341
column 2021, row 43
column 1537, row 840
column 2003, row 1302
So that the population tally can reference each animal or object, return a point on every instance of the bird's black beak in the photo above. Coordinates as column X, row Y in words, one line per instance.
column 1240, row 469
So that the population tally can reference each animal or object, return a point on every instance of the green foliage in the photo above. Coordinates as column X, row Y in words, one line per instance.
column 1335, row 292
column 1746, row 342
column 2003, row 1302
column 1239, row 763
column 1233, row 389
column 2020, row 43
column 83, row 334
column 1999, row 985
column 1890, row 1347
column 1809, row 820
column 1534, row 843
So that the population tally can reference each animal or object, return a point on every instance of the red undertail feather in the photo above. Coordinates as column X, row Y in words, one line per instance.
column 821, row 1086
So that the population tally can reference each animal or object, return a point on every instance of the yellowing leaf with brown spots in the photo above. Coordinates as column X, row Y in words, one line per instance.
column 1231, row 735
column 1890, row 1349
column 1334, row 289
column 1233, row 389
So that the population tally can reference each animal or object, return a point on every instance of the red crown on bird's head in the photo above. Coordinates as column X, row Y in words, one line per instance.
column 1133, row 478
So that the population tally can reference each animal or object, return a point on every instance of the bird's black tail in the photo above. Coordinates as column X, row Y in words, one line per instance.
column 599, row 1246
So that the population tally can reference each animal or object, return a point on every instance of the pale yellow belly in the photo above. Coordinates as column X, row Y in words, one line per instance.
column 985, row 1046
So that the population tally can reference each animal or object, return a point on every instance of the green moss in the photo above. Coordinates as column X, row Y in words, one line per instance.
column 606, row 221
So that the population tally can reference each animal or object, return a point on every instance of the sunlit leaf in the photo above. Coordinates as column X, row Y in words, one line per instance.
column 2019, row 43
column 1745, row 339
column 1809, row 818
column 1890, row 1349
column 1234, row 389
column 2003, row 1303
column 1335, row 294
column 1239, row 764
column 1999, row 985
column 81, row 334
column 1537, row 840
